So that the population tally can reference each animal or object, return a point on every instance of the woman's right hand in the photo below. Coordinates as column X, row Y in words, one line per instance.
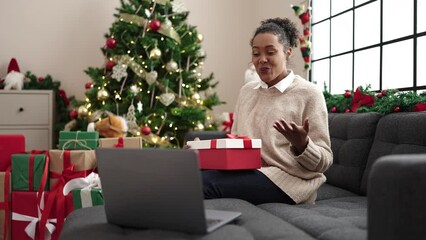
column 186, row 146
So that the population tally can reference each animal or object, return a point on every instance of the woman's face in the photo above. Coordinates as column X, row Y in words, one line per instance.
column 269, row 58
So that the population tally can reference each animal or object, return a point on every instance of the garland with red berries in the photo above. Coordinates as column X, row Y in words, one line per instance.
column 385, row 102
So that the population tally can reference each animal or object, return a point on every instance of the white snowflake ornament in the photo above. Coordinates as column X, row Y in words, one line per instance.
column 119, row 71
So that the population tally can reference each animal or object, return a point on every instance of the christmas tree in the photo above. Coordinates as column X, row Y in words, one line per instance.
column 152, row 75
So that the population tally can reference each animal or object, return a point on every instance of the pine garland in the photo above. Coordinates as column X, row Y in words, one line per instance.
column 385, row 101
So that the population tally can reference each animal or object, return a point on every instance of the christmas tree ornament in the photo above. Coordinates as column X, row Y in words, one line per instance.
column 111, row 43
column 40, row 79
column 199, row 38
column 102, row 94
column 178, row 7
column 82, row 111
column 200, row 53
column 109, row 65
column 155, row 53
column 135, row 89
column 196, row 96
column 146, row 130
column 133, row 127
column 73, row 114
column 154, row 24
column 119, row 71
column 167, row 98
column 151, row 77
column 172, row 66
column 347, row 94
column 140, row 106
column 88, row 85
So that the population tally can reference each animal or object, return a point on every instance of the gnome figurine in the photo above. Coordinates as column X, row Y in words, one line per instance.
column 14, row 78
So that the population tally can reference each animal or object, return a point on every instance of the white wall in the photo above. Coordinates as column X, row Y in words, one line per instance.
column 63, row 38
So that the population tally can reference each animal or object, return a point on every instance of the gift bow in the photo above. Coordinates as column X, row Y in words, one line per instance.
column 228, row 123
column 30, row 230
column 120, row 143
column 89, row 182
column 246, row 141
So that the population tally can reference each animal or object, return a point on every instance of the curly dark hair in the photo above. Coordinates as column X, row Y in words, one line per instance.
column 286, row 30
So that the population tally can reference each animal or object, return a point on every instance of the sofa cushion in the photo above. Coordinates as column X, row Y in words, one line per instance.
column 327, row 191
column 332, row 219
column 397, row 133
column 254, row 223
column 351, row 137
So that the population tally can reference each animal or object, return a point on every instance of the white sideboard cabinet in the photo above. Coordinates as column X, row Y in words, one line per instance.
column 31, row 113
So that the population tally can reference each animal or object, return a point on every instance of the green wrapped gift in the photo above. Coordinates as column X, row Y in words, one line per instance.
column 83, row 198
column 27, row 171
column 78, row 140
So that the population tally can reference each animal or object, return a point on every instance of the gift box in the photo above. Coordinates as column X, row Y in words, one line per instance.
column 84, row 192
column 124, row 142
column 72, row 163
column 4, row 205
column 26, row 216
column 27, row 171
column 78, row 140
column 228, row 153
column 10, row 144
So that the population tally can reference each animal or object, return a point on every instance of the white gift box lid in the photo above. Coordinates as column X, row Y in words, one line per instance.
column 224, row 143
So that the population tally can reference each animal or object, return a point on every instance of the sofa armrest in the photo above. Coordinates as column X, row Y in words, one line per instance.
column 205, row 135
column 397, row 197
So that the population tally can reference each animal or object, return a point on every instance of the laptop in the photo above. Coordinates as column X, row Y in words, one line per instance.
column 156, row 188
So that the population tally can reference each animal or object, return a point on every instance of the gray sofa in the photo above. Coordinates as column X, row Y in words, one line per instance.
column 375, row 189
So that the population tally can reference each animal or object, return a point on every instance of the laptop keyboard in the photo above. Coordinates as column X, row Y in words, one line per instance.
column 210, row 221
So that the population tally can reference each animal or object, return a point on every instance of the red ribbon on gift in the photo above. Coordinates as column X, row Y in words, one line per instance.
column 57, row 197
column 43, row 177
column 120, row 143
column 6, row 204
column 246, row 141
column 228, row 124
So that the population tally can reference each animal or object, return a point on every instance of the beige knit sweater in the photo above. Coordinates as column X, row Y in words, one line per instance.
column 255, row 113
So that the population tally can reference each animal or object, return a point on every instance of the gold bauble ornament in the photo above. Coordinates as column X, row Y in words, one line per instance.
column 82, row 111
column 155, row 53
column 102, row 95
column 200, row 38
column 172, row 66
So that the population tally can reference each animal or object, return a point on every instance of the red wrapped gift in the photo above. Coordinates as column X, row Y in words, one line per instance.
column 228, row 153
column 27, row 214
column 5, row 205
column 10, row 144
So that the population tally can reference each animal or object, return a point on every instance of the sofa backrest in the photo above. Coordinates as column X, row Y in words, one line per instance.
column 351, row 135
column 397, row 133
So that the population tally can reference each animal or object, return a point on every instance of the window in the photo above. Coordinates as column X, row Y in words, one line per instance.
column 361, row 42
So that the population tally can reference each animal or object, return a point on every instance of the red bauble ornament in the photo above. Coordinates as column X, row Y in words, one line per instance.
column 379, row 95
column 146, row 130
column 347, row 110
column 88, row 85
column 154, row 25
column 307, row 59
column 73, row 114
column 304, row 17
column 396, row 109
column 111, row 43
column 109, row 65
column 333, row 109
column 40, row 79
column 347, row 94
column 384, row 92
column 306, row 32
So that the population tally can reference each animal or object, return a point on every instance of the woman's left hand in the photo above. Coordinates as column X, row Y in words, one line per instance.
column 295, row 134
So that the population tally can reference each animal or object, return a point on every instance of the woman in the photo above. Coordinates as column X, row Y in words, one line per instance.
column 289, row 114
